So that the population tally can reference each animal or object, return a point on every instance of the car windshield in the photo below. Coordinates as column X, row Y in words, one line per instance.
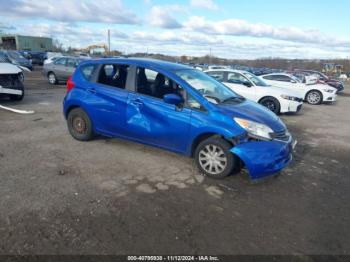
column 257, row 81
column 15, row 55
column 208, row 87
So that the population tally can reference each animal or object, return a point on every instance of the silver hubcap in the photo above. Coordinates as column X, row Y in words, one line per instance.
column 314, row 98
column 52, row 78
column 212, row 159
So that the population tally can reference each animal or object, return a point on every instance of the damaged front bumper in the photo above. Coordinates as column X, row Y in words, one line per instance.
column 10, row 91
column 264, row 158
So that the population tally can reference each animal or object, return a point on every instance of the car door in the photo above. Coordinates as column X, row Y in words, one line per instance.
column 58, row 67
column 107, row 95
column 287, row 82
column 152, row 121
column 240, row 84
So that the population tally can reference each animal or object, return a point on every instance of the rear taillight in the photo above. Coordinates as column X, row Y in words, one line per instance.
column 70, row 84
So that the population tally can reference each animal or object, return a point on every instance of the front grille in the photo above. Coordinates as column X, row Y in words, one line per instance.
column 9, row 80
column 282, row 136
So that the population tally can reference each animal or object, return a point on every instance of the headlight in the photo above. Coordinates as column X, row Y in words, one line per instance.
column 328, row 90
column 255, row 129
column 292, row 98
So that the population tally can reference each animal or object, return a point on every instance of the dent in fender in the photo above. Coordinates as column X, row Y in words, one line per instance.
column 263, row 158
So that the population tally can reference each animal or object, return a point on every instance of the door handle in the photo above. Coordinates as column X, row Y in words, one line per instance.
column 92, row 90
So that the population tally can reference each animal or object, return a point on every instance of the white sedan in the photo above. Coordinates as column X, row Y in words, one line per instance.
column 278, row 100
column 313, row 93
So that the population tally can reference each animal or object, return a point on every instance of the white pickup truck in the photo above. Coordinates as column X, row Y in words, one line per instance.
column 11, row 81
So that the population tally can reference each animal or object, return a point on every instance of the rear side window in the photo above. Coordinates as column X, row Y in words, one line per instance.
column 218, row 75
column 87, row 71
column 283, row 78
column 114, row 75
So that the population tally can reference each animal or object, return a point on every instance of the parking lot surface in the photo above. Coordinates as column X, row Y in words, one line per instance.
column 109, row 196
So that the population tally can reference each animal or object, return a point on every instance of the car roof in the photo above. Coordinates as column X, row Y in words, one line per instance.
column 143, row 62
column 274, row 74
column 227, row 70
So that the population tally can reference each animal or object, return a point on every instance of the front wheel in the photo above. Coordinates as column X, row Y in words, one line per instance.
column 79, row 125
column 314, row 97
column 271, row 103
column 214, row 159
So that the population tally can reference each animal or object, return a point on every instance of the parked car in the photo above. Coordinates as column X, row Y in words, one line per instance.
column 37, row 58
column 178, row 108
column 61, row 69
column 314, row 94
column 11, row 81
column 339, row 85
column 278, row 100
column 16, row 58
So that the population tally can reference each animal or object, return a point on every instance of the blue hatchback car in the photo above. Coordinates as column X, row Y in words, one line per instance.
column 177, row 108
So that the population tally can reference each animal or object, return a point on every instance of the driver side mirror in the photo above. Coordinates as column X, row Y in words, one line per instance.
column 293, row 81
column 247, row 84
column 173, row 99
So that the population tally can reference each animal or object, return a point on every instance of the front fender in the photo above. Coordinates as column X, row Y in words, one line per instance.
column 263, row 158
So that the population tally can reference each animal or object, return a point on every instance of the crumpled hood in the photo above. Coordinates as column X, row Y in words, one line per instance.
column 253, row 111
column 7, row 68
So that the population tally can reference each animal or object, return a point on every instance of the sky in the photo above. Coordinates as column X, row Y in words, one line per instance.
column 229, row 28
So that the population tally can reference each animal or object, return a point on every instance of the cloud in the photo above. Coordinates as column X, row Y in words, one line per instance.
column 101, row 11
column 236, row 27
column 206, row 4
column 6, row 27
column 160, row 16
column 71, row 35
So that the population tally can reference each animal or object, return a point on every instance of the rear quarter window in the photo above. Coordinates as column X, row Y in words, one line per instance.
column 88, row 71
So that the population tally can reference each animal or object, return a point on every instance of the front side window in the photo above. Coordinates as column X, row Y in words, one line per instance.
column 152, row 83
column 209, row 88
column 61, row 61
column 257, row 81
column 114, row 75
column 71, row 62
column 236, row 78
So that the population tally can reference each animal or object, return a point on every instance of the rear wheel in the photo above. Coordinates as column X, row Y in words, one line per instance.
column 271, row 103
column 314, row 97
column 52, row 78
column 79, row 125
column 214, row 159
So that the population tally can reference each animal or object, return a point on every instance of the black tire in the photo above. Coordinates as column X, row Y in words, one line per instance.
column 231, row 165
column 79, row 125
column 314, row 97
column 51, row 77
column 271, row 103
column 18, row 97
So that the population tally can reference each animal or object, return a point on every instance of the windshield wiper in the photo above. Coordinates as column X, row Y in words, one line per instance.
column 233, row 99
